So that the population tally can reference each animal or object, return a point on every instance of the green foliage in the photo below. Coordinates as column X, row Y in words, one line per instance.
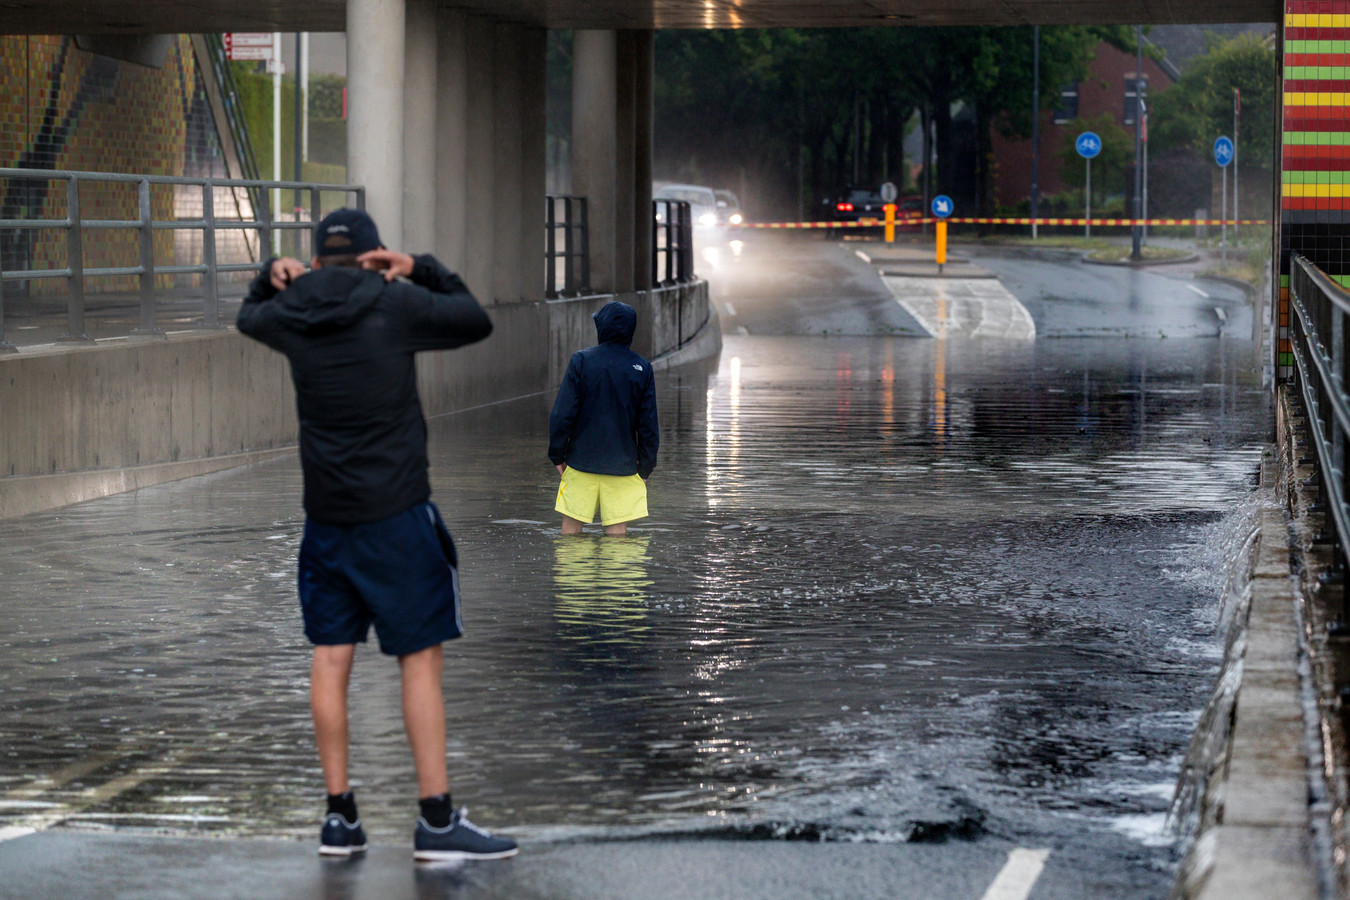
column 1109, row 166
column 325, row 96
column 1199, row 107
column 327, row 132
column 799, row 112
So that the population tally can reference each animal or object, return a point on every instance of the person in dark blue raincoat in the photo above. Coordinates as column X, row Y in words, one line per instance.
column 603, row 431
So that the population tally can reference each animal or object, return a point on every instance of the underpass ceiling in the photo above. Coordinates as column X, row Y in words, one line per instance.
column 162, row 16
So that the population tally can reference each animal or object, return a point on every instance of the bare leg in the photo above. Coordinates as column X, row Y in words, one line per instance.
column 617, row 530
column 329, row 675
column 424, row 718
column 571, row 525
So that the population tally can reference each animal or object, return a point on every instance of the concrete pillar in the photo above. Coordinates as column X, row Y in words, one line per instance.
column 509, row 133
column 419, row 128
column 594, row 144
column 643, row 80
column 480, row 196
column 625, row 148
column 533, row 159
column 375, row 61
column 452, row 141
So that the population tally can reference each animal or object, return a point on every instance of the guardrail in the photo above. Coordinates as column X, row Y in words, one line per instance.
column 567, row 239
column 1317, row 330
column 672, row 242
column 75, row 226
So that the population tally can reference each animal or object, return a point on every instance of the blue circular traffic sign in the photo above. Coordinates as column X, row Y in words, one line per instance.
column 1223, row 151
column 943, row 206
column 1088, row 144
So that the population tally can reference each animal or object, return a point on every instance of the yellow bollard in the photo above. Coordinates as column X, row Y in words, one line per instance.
column 941, row 243
column 890, row 223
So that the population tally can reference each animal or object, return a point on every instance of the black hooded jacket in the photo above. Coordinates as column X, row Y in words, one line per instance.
column 350, row 337
column 604, row 420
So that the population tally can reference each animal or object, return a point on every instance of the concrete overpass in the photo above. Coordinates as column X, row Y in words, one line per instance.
column 142, row 16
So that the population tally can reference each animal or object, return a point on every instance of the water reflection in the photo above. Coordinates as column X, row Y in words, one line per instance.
column 838, row 621
column 600, row 587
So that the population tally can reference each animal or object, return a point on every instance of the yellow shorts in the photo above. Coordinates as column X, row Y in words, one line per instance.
column 620, row 498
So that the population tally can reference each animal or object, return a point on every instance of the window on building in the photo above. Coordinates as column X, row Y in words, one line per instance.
column 1067, row 108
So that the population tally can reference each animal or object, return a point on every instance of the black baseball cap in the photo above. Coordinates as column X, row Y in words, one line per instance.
column 345, row 231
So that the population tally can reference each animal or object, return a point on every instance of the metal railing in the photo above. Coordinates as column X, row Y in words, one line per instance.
column 672, row 242
column 1318, row 330
column 234, row 116
column 567, row 246
column 146, row 268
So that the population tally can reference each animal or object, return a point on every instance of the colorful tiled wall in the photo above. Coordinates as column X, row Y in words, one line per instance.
column 64, row 108
column 1315, row 181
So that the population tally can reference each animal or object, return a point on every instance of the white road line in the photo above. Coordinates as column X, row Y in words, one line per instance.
column 731, row 310
column 1191, row 287
column 863, row 256
column 60, row 812
column 1018, row 876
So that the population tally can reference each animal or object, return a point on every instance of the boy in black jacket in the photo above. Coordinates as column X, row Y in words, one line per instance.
column 375, row 550
column 602, row 431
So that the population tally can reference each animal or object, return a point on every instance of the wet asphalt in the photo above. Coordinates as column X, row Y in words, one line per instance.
column 904, row 605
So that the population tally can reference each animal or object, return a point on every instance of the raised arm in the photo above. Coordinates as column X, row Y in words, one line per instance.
column 439, row 311
column 255, row 317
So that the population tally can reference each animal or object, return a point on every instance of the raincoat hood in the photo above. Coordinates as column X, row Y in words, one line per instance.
column 615, row 323
column 328, row 299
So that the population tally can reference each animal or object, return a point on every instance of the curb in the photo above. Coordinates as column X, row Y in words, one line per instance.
column 1143, row 264
column 919, row 273
column 1231, row 282
column 707, row 342
column 1255, row 840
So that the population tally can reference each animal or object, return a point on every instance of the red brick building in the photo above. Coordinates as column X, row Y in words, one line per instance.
column 1101, row 91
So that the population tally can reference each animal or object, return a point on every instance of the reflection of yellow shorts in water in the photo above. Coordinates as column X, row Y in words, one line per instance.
column 620, row 498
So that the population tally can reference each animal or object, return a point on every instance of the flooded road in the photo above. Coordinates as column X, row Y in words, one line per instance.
column 917, row 602
column 893, row 590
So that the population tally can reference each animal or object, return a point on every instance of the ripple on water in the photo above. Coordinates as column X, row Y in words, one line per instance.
column 888, row 592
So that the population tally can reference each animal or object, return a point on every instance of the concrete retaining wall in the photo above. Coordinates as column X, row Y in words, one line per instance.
column 84, row 421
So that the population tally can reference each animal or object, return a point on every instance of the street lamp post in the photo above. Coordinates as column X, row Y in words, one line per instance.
column 1136, row 252
column 1035, row 124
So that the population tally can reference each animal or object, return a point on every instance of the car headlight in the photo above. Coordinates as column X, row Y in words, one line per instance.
column 708, row 219
column 736, row 219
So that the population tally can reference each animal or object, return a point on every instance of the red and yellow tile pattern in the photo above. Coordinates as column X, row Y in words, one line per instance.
column 1315, row 176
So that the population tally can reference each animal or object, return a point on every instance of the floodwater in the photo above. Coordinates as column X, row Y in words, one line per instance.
column 891, row 590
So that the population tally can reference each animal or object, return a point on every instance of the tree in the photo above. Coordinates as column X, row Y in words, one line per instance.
column 1110, row 166
column 1199, row 107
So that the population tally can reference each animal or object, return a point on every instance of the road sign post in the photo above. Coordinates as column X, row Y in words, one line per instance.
column 942, row 208
column 889, row 192
column 1088, row 145
column 1223, row 155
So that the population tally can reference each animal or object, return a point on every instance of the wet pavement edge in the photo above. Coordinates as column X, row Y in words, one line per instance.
column 1268, row 822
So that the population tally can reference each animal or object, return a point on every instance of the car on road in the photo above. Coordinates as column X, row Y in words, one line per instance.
column 728, row 208
column 702, row 209
column 854, row 203
column 909, row 210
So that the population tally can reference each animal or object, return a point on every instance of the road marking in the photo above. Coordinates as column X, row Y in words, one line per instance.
column 1221, row 313
column 863, row 256
column 731, row 310
column 1018, row 876
column 93, row 796
column 1191, row 287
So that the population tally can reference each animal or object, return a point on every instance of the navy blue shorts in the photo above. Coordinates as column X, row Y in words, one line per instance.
column 399, row 574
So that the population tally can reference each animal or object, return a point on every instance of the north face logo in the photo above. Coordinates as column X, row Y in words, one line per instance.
column 636, row 366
